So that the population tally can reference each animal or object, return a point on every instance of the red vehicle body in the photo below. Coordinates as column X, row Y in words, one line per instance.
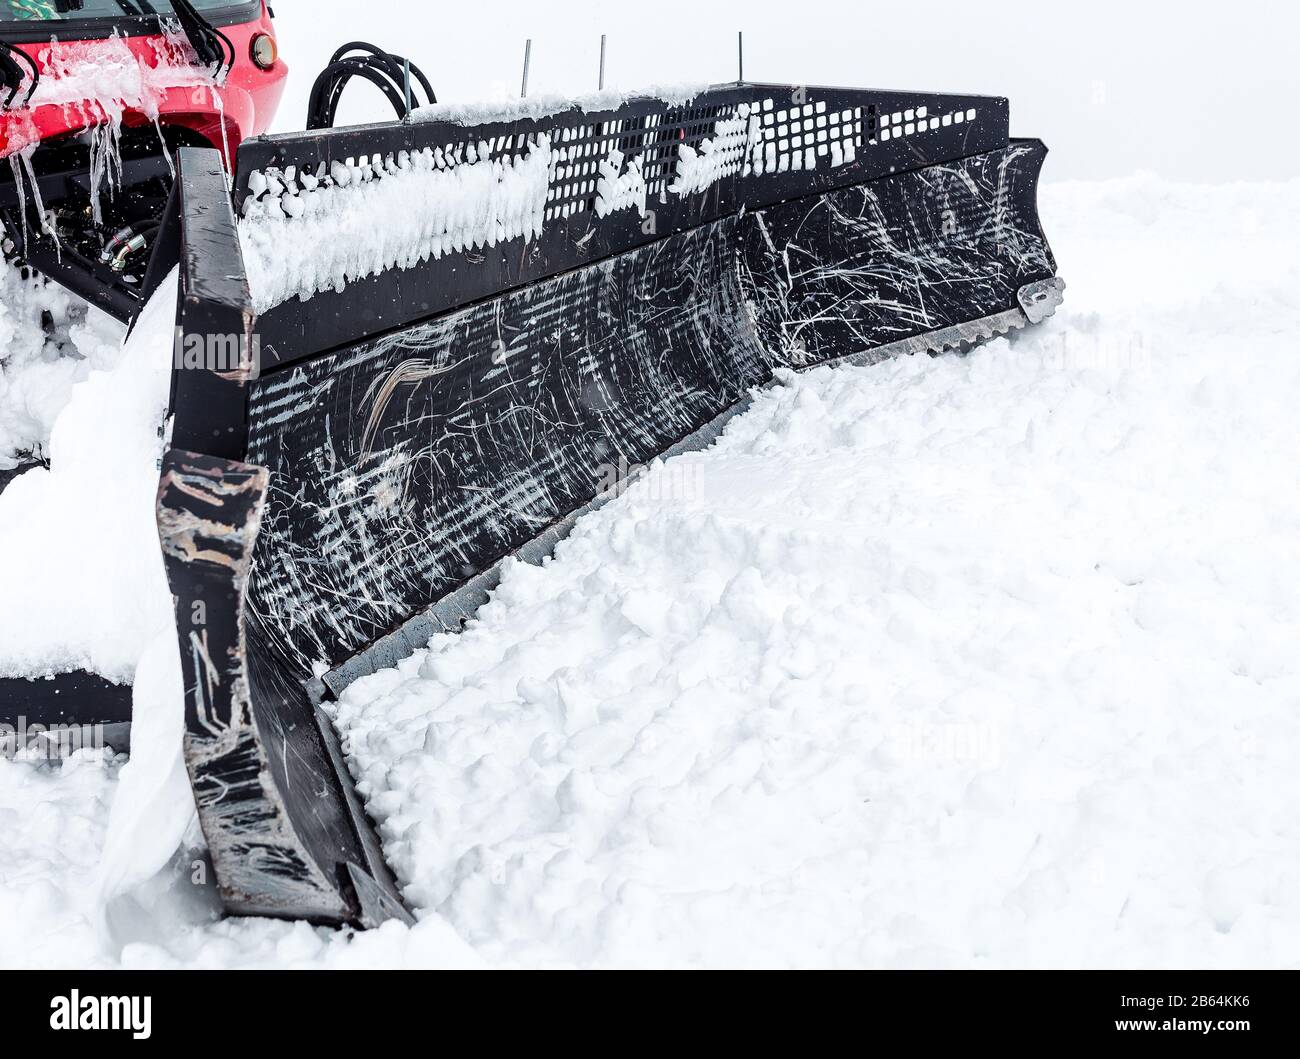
column 88, row 150
column 248, row 98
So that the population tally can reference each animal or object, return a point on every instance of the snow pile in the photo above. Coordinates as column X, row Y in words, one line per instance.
column 38, row 368
column 54, row 819
column 153, row 814
column 966, row 661
column 489, row 111
column 81, row 584
column 305, row 233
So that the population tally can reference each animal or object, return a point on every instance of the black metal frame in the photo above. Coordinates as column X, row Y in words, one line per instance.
column 61, row 172
column 372, row 306
column 68, row 700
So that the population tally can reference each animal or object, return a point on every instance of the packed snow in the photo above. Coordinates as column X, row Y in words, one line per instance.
column 965, row 661
column 972, row 661
column 303, row 233
column 52, row 819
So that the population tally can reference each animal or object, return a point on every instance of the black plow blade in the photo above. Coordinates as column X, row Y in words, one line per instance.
column 351, row 488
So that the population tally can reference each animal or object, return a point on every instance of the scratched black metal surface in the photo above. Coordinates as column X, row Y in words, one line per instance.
column 891, row 132
column 869, row 265
column 208, row 514
column 401, row 466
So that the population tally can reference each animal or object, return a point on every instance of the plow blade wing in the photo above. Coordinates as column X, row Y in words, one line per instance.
column 413, row 411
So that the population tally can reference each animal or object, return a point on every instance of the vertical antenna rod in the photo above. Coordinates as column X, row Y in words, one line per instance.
column 602, row 63
column 406, row 85
column 528, row 54
column 740, row 54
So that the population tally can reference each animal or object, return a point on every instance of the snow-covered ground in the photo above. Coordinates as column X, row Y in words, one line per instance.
column 981, row 661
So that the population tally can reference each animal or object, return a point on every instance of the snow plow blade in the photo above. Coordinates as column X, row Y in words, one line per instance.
column 456, row 388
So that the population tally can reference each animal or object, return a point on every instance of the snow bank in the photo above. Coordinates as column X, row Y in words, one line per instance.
column 305, row 233
column 154, row 811
column 52, row 819
column 81, row 581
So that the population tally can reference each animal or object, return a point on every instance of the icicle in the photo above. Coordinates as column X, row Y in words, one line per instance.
column 24, row 175
column 21, row 188
column 46, row 227
column 166, row 153
column 225, row 136
column 105, row 164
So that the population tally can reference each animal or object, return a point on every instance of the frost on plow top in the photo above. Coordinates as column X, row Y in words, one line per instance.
column 307, row 232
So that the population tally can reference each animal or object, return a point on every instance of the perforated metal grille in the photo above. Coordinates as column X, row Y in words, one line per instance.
column 655, row 140
column 800, row 129
column 910, row 121
column 617, row 179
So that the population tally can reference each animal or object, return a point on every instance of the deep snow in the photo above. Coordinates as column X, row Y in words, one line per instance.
column 977, row 661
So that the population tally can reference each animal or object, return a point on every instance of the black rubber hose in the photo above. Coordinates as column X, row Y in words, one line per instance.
column 11, row 76
column 211, row 45
column 230, row 63
column 396, row 63
column 388, row 72
column 329, row 88
column 14, row 72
